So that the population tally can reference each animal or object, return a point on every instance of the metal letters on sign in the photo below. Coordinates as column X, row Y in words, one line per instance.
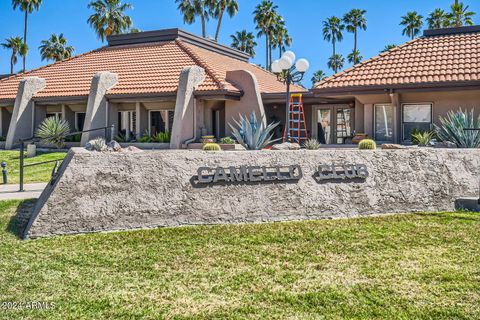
column 249, row 174
column 343, row 171
column 291, row 173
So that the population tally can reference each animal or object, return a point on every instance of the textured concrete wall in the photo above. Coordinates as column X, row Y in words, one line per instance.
column 183, row 121
column 22, row 121
column 97, row 106
column 115, row 191
column 251, row 100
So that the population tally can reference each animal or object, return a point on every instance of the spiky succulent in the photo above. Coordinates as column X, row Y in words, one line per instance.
column 53, row 131
column 97, row 144
column 453, row 127
column 312, row 144
column 252, row 134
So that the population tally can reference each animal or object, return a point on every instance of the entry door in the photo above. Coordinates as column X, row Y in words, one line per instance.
column 343, row 124
column 324, row 125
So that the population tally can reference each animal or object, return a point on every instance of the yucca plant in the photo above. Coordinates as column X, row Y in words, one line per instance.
column 422, row 138
column 252, row 134
column 453, row 125
column 53, row 131
column 312, row 144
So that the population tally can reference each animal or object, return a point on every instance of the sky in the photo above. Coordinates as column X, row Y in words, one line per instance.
column 303, row 19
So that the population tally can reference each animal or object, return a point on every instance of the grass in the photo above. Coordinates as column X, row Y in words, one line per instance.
column 416, row 266
column 40, row 173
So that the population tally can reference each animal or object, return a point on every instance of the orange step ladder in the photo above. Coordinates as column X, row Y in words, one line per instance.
column 297, row 129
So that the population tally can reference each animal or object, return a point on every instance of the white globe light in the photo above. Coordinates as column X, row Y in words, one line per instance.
column 302, row 65
column 285, row 63
column 289, row 54
column 276, row 67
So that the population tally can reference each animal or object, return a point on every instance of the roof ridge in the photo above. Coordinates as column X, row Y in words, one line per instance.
column 202, row 63
column 24, row 74
column 358, row 65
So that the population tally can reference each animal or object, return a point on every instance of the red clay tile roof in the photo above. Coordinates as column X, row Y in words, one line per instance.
column 150, row 68
column 443, row 59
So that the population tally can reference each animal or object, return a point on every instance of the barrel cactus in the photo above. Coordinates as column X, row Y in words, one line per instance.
column 211, row 147
column 367, row 144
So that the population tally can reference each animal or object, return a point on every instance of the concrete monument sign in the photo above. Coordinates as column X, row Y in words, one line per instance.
column 116, row 191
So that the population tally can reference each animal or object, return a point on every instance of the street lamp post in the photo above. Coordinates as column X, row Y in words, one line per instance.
column 290, row 72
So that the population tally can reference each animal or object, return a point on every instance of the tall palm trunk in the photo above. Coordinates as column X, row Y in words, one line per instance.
column 204, row 31
column 25, row 40
column 267, row 65
column 219, row 23
column 334, row 49
column 12, row 59
column 270, row 56
column 355, row 58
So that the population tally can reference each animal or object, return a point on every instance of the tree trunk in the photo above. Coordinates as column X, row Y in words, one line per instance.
column 355, row 58
column 25, row 40
column 267, row 66
column 11, row 62
column 270, row 56
column 219, row 23
column 204, row 31
column 334, row 50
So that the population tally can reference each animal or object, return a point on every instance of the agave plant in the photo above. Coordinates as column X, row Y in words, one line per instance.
column 422, row 138
column 312, row 144
column 252, row 134
column 453, row 127
column 53, row 131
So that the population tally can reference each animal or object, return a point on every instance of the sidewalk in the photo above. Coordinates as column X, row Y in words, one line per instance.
column 10, row 191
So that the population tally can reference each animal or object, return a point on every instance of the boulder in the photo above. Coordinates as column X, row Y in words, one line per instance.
column 286, row 146
column 114, row 146
column 391, row 146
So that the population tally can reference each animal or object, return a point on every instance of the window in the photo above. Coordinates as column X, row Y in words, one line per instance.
column 161, row 121
column 57, row 115
column 127, row 120
column 384, row 122
column 416, row 117
column 79, row 120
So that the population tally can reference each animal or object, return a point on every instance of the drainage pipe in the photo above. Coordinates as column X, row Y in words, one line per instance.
column 187, row 142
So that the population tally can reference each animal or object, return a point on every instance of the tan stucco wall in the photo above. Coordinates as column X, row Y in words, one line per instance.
column 442, row 101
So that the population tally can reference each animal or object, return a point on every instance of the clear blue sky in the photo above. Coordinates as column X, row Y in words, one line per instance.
column 303, row 18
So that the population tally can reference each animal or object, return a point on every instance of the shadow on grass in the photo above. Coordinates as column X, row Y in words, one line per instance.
column 458, row 215
column 19, row 221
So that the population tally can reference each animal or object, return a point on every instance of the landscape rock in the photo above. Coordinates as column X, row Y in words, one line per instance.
column 391, row 146
column 286, row 146
column 114, row 146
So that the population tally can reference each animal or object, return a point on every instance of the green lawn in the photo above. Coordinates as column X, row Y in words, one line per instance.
column 40, row 173
column 416, row 266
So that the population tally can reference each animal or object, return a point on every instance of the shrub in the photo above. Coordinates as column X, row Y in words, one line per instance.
column 97, row 144
column 161, row 137
column 252, row 134
column 53, row 131
column 2, row 138
column 120, row 137
column 211, row 147
column 145, row 138
column 367, row 144
column 227, row 140
column 422, row 138
column 312, row 144
column 453, row 125
column 75, row 138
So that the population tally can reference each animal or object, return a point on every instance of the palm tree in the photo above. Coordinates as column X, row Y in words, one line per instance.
column 18, row 47
column 244, row 41
column 109, row 17
column 336, row 62
column 196, row 8
column 230, row 6
column 438, row 19
column 27, row 6
column 413, row 24
column 280, row 37
column 354, row 20
column 354, row 57
column 318, row 76
column 460, row 16
column 56, row 48
column 388, row 47
column 332, row 31
column 265, row 17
